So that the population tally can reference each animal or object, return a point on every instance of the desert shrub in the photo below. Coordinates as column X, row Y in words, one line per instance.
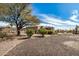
column 3, row 34
column 69, row 31
column 55, row 32
column 29, row 32
column 49, row 31
column 42, row 31
column 73, row 32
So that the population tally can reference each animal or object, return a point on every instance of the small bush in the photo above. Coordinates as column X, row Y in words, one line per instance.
column 2, row 35
column 69, row 31
column 49, row 31
column 29, row 32
column 56, row 32
column 42, row 31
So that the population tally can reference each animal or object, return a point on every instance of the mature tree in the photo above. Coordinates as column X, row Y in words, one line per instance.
column 18, row 14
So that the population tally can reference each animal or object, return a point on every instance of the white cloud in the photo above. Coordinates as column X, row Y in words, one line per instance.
column 75, row 12
column 75, row 15
column 74, row 18
column 59, row 23
column 64, row 27
column 3, row 24
column 70, row 23
column 44, row 24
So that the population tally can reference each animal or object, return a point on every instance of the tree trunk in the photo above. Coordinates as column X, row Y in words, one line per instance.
column 18, row 29
column 42, row 35
column 76, row 30
column 18, row 32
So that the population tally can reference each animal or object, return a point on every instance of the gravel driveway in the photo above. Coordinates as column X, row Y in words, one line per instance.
column 54, row 45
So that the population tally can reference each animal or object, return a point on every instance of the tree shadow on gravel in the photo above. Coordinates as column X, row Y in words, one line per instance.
column 38, row 36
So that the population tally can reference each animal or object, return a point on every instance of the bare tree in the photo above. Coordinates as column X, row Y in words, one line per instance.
column 19, row 14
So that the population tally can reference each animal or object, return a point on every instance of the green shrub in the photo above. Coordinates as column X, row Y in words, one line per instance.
column 56, row 32
column 29, row 32
column 2, row 35
column 49, row 31
column 69, row 31
column 42, row 31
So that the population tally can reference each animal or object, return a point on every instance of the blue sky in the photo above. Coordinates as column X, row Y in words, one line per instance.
column 58, row 15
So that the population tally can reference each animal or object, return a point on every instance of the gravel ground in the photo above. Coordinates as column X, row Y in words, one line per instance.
column 7, row 45
column 48, row 46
